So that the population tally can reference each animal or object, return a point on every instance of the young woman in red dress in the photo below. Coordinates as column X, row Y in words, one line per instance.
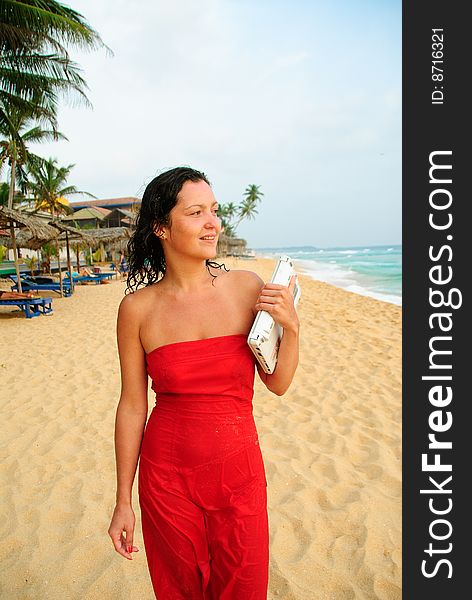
column 201, row 482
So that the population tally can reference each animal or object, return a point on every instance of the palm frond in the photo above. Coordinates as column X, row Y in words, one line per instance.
column 39, row 18
column 37, row 134
column 33, row 74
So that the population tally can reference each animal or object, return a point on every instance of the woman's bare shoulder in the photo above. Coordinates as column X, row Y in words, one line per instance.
column 249, row 279
column 134, row 303
column 247, row 285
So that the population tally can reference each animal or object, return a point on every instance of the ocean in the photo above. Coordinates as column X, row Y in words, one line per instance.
column 374, row 271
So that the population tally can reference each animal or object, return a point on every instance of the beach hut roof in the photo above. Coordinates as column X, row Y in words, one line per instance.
column 91, row 212
column 73, row 232
column 109, row 234
column 109, row 202
column 104, row 211
column 122, row 211
column 25, row 239
column 231, row 241
column 38, row 228
column 38, row 232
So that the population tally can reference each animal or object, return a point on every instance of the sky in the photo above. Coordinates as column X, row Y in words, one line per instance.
column 300, row 98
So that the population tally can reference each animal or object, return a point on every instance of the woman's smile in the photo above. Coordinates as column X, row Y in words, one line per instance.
column 209, row 239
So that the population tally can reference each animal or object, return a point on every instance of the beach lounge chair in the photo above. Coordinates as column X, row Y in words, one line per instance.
column 122, row 267
column 95, row 278
column 115, row 269
column 32, row 279
column 105, row 275
column 32, row 307
column 28, row 284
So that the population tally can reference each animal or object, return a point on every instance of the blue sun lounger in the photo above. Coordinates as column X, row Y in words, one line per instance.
column 95, row 278
column 32, row 307
column 28, row 284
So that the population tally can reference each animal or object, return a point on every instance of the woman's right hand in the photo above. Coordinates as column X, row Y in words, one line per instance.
column 123, row 521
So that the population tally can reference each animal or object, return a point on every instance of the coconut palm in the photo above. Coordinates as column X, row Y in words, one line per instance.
column 33, row 56
column 48, row 250
column 17, row 134
column 247, row 208
column 227, row 228
column 47, row 183
column 31, row 263
column 4, row 188
column 226, row 212
column 5, row 193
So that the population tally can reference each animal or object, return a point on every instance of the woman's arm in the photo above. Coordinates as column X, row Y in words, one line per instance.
column 132, row 408
column 279, row 381
column 278, row 301
column 129, row 423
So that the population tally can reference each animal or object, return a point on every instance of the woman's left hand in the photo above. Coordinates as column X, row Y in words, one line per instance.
column 277, row 300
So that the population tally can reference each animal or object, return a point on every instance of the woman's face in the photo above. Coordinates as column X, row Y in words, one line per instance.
column 194, row 217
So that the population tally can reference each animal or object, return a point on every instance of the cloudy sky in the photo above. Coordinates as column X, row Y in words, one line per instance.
column 300, row 98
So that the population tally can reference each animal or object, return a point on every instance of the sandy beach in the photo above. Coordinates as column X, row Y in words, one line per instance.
column 331, row 447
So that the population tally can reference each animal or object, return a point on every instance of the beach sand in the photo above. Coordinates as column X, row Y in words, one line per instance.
column 331, row 447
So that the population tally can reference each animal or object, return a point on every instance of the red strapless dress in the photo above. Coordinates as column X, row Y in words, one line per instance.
column 202, row 484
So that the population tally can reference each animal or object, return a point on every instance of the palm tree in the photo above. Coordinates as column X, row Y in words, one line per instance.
column 5, row 193
column 227, row 228
column 48, row 250
column 31, row 263
column 226, row 212
column 247, row 208
column 33, row 57
column 4, row 188
column 17, row 133
column 47, row 184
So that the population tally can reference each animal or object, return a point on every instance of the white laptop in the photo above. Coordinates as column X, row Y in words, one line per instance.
column 265, row 335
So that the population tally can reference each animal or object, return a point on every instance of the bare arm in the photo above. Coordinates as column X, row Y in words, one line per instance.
column 278, row 301
column 279, row 381
column 132, row 408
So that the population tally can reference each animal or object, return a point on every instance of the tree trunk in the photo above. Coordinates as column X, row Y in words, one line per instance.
column 60, row 270
column 69, row 264
column 15, row 256
column 11, row 192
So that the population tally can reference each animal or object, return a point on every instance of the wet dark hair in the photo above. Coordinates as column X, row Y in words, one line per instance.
column 145, row 253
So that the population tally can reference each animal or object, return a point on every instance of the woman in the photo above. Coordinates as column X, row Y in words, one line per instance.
column 123, row 265
column 202, row 486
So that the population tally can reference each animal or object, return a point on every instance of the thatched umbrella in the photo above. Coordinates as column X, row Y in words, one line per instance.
column 110, row 235
column 25, row 239
column 70, row 233
column 120, row 245
column 55, row 231
column 62, row 233
column 38, row 229
column 93, row 237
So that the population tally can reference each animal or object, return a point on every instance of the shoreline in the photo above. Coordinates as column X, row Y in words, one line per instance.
column 340, row 278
